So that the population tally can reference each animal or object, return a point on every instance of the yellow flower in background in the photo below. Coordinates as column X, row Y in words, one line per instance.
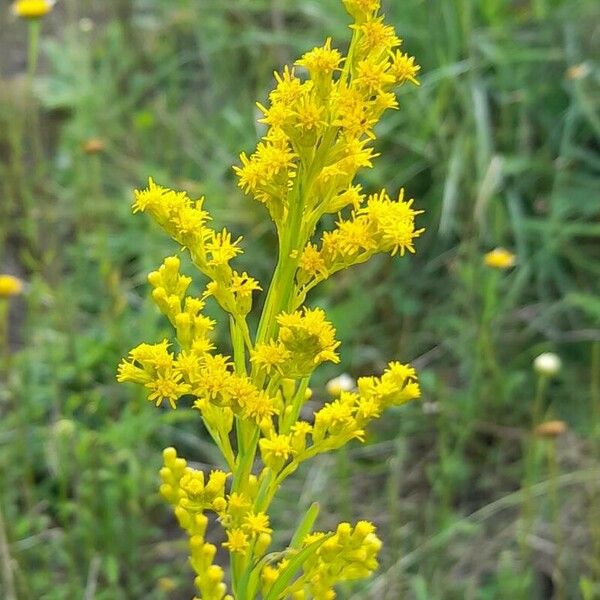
column 500, row 258
column 10, row 286
column 32, row 9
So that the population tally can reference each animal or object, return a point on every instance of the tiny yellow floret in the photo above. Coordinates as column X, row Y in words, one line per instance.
column 237, row 541
column 257, row 523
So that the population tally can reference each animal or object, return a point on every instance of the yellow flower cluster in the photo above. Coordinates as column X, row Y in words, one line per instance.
column 320, row 122
column 184, row 488
column 320, row 128
column 347, row 554
column 211, row 251
column 337, row 422
column 377, row 225
column 305, row 340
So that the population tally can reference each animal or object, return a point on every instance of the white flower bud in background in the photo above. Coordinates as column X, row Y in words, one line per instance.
column 86, row 25
column 339, row 384
column 430, row 408
column 547, row 364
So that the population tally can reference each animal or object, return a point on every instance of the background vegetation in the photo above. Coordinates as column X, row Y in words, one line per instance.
column 499, row 145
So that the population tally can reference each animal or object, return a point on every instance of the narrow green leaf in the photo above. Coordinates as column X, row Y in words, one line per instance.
column 296, row 563
column 250, row 580
column 305, row 525
column 263, row 489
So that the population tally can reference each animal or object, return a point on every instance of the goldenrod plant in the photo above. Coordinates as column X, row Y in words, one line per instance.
column 320, row 122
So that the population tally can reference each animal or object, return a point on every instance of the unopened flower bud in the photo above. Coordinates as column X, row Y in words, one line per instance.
column 551, row 429
column 219, row 504
column 262, row 543
column 339, row 384
column 547, row 364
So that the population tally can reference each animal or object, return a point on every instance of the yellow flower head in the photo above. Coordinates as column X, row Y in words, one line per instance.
column 376, row 35
column 256, row 523
column 154, row 366
column 237, row 541
column 215, row 376
column 150, row 197
column 168, row 386
column 312, row 262
column 243, row 285
column 500, row 258
column 258, row 407
column 374, row 75
column 32, row 9
column 404, row 68
column 321, row 61
column 222, row 248
column 270, row 356
column 397, row 385
column 362, row 10
column 238, row 503
column 10, row 286
column 275, row 450
column 309, row 338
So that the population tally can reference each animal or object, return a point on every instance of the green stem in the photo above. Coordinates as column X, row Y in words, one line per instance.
column 244, row 331
column 7, row 562
column 280, row 290
column 222, row 443
column 529, row 467
column 247, row 437
column 239, row 349
column 297, row 403
column 237, row 568
column 33, row 47
column 539, row 9
column 538, row 403
column 594, row 516
column 555, row 509
column 4, row 346
column 595, row 392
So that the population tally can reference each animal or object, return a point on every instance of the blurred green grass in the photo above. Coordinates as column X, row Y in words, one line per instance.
column 499, row 145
